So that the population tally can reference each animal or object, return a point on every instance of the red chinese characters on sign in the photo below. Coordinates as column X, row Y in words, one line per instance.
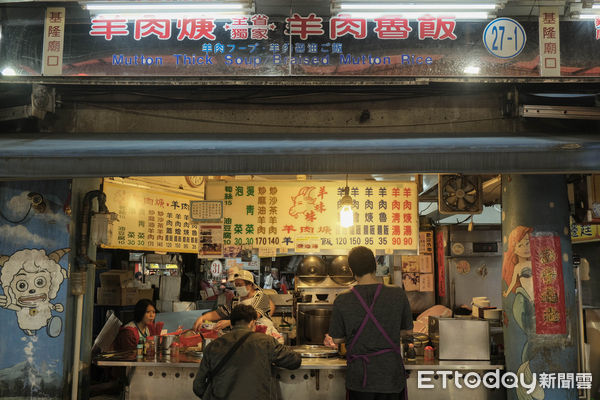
column 53, row 46
column 549, row 32
column 439, row 244
column 344, row 24
column 56, row 17
column 438, row 28
column 260, row 27
column 549, row 18
column 548, row 284
column 597, row 25
column 241, row 29
column 392, row 28
column 238, row 28
column 550, row 48
column 196, row 28
column 304, row 203
column 53, row 40
column 304, row 27
column 257, row 27
column 109, row 27
column 160, row 27
column 54, row 31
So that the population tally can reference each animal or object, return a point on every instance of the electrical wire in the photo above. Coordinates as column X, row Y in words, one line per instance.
column 426, row 208
column 208, row 121
column 19, row 221
column 252, row 100
column 463, row 221
column 531, row 9
column 253, row 96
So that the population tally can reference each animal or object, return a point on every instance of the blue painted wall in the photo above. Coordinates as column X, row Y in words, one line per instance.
column 33, row 288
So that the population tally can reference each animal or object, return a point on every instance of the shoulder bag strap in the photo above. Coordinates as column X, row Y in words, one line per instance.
column 227, row 356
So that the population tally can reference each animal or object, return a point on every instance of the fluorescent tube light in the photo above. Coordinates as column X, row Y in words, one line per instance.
column 472, row 70
column 468, row 15
column 8, row 71
column 162, row 6
column 168, row 15
column 589, row 16
column 400, row 7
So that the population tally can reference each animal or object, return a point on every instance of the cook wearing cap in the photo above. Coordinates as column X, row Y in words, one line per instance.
column 231, row 271
column 247, row 293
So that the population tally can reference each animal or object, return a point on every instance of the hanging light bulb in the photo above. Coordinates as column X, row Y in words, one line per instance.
column 346, row 214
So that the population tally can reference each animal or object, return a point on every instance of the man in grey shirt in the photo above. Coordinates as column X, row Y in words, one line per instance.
column 370, row 318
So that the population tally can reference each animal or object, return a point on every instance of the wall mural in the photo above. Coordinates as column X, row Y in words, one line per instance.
column 538, row 288
column 30, row 279
column 34, row 240
column 518, row 282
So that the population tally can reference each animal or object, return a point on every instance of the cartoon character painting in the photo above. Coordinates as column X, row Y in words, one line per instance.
column 30, row 280
column 518, row 279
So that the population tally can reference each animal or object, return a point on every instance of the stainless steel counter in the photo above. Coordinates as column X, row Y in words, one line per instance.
column 317, row 378
column 185, row 360
column 325, row 379
column 129, row 359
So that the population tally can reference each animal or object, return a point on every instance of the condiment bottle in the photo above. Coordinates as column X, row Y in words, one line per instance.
column 175, row 349
column 428, row 353
column 140, row 348
column 411, row 354
column 150, row 346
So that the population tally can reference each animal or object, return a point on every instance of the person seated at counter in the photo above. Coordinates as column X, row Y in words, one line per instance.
column 373, row 317
column 141, row 326
column 238, row 364
column 247, row 293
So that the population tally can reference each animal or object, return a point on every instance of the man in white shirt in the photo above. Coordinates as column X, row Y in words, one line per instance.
column 272, row 280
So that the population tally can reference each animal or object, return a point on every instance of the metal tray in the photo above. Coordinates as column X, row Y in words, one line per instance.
column 315, row 351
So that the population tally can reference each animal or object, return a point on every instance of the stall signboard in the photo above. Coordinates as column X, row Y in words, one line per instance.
column 303, row 217
column 584, row 233
column 305, row 44
column 301, row 44
column 150, row 220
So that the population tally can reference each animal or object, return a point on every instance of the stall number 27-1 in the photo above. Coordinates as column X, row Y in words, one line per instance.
column 504, row 38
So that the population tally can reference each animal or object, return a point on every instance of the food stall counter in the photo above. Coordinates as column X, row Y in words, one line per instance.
column 317, row 378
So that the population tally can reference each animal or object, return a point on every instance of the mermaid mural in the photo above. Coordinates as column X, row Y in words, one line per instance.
column 518, row 296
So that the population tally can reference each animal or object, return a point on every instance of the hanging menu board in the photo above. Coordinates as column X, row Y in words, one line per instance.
column 150, row 220
column 296, row 215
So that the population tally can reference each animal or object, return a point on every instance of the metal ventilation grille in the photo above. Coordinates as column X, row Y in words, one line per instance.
column 460, row 194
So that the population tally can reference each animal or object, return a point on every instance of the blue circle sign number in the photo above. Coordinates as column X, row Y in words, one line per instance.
column 504, row 38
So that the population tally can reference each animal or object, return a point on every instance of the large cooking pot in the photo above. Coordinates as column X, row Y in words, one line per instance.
column 316, row 324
